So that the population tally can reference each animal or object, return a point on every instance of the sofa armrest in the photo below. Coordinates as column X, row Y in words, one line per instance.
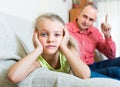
column 44, row 78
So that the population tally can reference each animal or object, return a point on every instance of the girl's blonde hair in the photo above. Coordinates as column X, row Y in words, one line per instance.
column 56, row 18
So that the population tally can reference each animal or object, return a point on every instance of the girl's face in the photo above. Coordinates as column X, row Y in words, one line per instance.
column 50, row 34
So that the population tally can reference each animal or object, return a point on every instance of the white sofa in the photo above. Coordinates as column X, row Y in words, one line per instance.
column 16, row 42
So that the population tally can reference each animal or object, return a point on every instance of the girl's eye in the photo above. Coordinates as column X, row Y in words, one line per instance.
column 43, row 34
column 58, row 34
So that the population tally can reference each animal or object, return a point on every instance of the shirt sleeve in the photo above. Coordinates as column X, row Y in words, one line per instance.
column 107, row 47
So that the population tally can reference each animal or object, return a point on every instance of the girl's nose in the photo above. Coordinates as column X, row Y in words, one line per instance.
column 51, row 39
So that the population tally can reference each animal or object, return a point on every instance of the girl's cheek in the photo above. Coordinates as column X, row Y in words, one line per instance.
column 41, row 40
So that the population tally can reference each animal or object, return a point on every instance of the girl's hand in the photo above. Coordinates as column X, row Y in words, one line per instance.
column 65, row 38
column 36, row 41
column 106, row 29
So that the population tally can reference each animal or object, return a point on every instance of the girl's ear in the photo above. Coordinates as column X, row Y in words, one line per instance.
column 36, row 31
column 64, row 30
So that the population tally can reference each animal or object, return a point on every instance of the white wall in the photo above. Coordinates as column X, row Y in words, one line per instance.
column 30, row 9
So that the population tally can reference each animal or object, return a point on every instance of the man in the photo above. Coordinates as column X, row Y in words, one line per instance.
column 89, row 38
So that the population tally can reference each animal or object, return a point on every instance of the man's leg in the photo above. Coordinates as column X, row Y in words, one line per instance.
column 110, row 68
column 113, row 72
column 105, row 63
column 97, row 75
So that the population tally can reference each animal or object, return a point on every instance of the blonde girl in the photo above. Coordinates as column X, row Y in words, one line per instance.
column 54, row 50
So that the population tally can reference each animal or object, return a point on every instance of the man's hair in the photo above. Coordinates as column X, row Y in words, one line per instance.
column 91, row 5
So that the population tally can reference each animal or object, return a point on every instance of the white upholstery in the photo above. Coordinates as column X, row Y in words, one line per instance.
column 15, row 35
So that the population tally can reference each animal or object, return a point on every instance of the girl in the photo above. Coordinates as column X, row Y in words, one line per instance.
column 54, row 50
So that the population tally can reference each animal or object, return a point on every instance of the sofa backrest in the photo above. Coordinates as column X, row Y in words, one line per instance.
column 15, row 36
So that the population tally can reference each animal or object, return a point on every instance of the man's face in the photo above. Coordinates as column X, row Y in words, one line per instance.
column 87, row 17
